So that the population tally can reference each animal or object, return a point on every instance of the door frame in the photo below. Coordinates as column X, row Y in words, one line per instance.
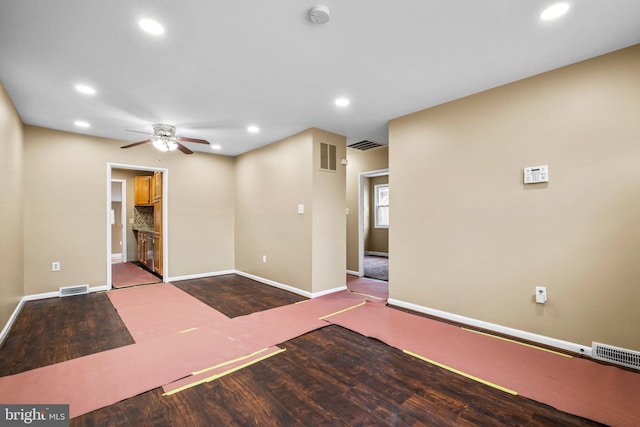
column 123, row 215
column 361, row 202
column 165, row 215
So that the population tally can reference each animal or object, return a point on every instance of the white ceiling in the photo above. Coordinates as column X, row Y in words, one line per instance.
column 225, row 64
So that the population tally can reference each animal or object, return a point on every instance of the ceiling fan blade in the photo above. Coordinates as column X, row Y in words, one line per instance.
column 184, row 149
column 136, row 143
column 138, row 131
column 185, row 139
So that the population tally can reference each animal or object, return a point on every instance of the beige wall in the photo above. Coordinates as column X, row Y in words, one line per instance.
column 329, row 219
column 65, row 208
column 375, row 239
column 477, row 241
column 305, row 251
column 270, row 183
column 11, row 211
column 359, row 161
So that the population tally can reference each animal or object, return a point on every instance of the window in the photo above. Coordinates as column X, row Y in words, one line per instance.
column 381, row 206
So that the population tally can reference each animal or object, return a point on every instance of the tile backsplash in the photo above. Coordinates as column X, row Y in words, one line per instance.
column 143, row 217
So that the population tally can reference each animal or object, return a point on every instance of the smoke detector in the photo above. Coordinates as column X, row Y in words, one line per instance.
column 319, row 14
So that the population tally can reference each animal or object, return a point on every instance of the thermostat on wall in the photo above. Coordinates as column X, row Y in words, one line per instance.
column 536, row 174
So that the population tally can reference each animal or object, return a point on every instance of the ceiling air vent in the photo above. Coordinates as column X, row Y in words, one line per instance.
column 364, row 145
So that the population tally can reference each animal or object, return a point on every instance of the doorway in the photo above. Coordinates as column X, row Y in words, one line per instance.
column 373, row 224
column 123, row 237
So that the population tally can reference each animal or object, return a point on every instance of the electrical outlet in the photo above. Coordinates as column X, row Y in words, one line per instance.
column 55, row 266
column 541, row 294
column 264, row 259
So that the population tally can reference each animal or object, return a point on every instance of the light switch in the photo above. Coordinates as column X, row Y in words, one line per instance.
column 301, row 209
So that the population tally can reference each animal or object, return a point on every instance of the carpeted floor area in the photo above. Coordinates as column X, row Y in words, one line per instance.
column 376, row 267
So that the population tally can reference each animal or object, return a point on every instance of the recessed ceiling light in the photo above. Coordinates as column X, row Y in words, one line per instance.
column 81, row 124
column 151, row 26
column 85, row 89
column 216, row 147
column 253, row 129
column 342, row 102
column 554, row 11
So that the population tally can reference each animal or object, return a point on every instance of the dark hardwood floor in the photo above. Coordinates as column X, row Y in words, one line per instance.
column 329, row 377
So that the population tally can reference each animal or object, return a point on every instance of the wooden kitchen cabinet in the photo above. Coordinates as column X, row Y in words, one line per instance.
column 157, row 235
column 144, row 248
column 142, row 191
column 156, row 187
column 157, row 254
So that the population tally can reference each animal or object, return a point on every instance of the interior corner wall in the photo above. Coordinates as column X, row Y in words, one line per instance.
column 469, row 238
column 271, row 182
column 329, row 219
column 11, row 210
column 359, row 161
column 65, row 208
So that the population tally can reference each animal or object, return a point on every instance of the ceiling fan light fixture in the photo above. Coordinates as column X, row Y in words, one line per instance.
column 159, row 144
column 164, row 144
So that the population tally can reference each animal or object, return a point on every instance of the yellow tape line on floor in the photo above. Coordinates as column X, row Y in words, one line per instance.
column 518, row 342
column 229, row 362
column 448, row 368
column 187, row 330
column 222, row 374
column 367, row 295
column 342, row 311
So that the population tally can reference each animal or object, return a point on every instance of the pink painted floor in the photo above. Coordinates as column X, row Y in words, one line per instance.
column 128, row 274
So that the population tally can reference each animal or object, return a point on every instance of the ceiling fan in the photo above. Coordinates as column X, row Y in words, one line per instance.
column 164, row 139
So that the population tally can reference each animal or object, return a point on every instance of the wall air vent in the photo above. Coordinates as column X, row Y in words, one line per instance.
column 364, row 145
column 617, row 355
column 328, row 161
column 74, row 290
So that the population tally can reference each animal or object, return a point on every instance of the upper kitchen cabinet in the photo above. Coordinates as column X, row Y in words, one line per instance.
column 156, row 187
column 142, row 191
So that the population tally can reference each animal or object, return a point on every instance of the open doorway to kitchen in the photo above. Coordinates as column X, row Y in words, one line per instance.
column 373, row 218
column 137, row 225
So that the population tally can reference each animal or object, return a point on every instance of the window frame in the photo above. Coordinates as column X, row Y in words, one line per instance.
column 377, row 205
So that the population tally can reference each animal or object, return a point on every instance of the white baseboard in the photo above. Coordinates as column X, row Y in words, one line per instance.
column 561, row 344
column 290, row 288
column 274, row 284
column 11, row 321
column 353, row 273
column 199, row 275
column 374, row 253
column 328, row 291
